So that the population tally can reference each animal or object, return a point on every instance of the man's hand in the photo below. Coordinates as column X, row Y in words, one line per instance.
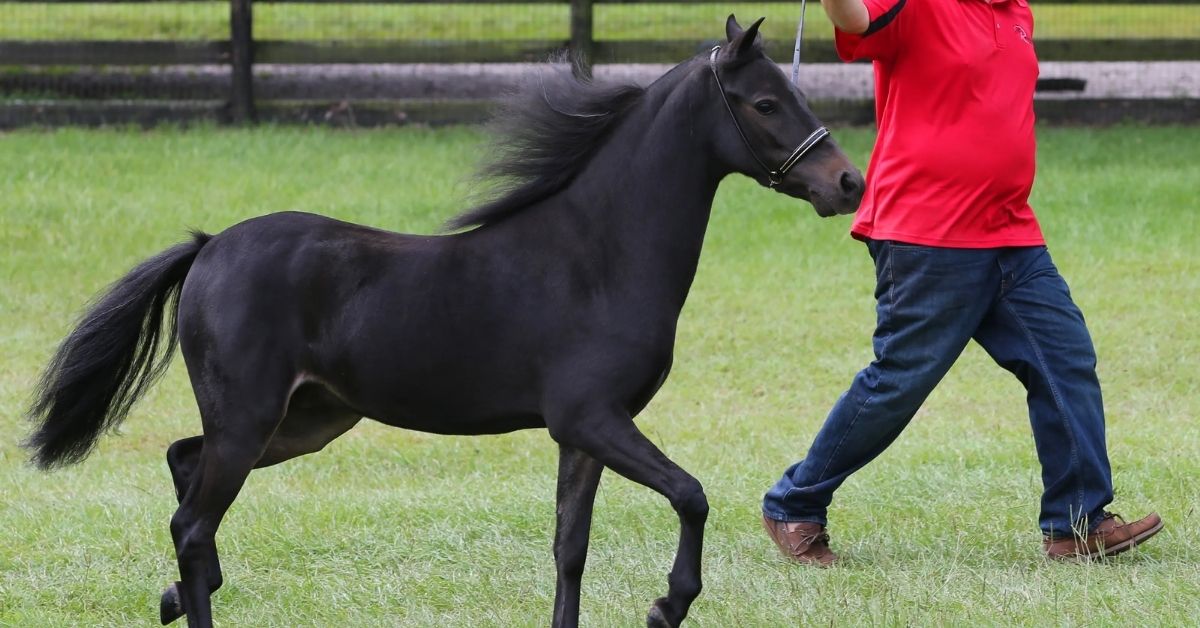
column 850, row 16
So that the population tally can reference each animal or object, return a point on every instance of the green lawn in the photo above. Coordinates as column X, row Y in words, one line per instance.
column 387, row 527
column 209, row 20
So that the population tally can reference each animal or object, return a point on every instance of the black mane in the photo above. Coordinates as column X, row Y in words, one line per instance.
column 545, row 133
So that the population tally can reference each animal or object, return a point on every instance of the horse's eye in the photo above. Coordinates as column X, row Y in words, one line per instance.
column 765, row 107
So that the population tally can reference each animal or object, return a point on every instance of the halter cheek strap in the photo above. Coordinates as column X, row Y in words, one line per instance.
column 775, row 177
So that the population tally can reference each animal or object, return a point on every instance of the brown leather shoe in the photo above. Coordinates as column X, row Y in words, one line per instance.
column 1111, row 537
column 803, row 542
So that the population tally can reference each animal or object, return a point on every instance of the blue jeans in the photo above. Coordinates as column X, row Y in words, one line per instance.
column 930, row 303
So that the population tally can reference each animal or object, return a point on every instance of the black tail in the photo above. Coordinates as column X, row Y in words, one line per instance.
column 102, row 368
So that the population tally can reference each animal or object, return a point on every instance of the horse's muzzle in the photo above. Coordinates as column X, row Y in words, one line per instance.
column 841, row 198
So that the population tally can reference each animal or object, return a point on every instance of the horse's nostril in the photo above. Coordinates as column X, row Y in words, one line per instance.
column 851, row 182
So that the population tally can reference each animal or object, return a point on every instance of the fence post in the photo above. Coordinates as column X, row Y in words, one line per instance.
column 241, row 40
column 581, row 37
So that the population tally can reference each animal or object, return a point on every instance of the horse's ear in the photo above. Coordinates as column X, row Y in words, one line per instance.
column 732, row 28
column 746, row 39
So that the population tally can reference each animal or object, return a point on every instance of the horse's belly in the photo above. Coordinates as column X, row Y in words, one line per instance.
column 464, row 426
column 431, row 406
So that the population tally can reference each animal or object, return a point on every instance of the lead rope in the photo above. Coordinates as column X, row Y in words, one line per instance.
column 821, row 132
column 796, row 52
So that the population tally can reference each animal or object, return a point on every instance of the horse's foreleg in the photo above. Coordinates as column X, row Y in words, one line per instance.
column 578, row 478
column 613, row 439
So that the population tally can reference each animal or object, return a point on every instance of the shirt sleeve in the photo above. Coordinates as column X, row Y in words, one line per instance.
column 880, row 39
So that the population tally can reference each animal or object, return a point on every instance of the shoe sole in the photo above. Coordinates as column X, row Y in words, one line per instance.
column 1119, row 548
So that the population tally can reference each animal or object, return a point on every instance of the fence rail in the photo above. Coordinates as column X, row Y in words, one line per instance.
column 241, row 50
column 56, row 53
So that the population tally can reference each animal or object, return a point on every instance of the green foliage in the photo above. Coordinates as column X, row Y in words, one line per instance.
column 388, row 527
column 209, row 20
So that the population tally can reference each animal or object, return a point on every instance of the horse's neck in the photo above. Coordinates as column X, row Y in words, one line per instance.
column 647, row 194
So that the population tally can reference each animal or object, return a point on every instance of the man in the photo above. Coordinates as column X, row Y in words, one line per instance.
column 958, row 256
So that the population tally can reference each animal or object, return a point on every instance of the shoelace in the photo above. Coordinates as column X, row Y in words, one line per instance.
column 810, row 541
column 1120, row 521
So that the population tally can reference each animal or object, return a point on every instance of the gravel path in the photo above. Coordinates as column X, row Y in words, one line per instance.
column 821, row 81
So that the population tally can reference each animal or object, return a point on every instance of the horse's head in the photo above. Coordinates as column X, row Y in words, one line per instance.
column 769, row 133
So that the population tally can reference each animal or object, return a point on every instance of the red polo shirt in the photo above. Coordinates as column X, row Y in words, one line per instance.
column 954, row 159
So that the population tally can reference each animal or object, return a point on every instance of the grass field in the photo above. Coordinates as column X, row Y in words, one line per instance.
column 209, row 20
column 393, row 528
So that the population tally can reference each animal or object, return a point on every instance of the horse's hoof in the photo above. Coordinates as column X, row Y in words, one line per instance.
column 170, row 606
column 655, row 618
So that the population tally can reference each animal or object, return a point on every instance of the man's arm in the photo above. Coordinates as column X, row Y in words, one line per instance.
column 850, row 16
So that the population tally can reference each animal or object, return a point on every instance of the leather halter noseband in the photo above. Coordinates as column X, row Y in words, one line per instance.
column 774, row 176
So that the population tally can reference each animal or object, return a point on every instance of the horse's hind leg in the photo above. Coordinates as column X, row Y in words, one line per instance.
column 578, row 478
column 237, row 429
column 183, row 459
column 314, row 418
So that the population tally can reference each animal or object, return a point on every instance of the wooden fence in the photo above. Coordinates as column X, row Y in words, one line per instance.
column 242, row 50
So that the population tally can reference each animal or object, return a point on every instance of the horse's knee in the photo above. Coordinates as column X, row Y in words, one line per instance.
column 692, row 504
column 569, row 560
column 686, row 586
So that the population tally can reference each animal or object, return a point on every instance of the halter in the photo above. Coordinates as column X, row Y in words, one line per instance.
column 775, row 177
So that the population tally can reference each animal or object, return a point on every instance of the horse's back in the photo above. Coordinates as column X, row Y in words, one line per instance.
column 298, row 234
column 277, row 282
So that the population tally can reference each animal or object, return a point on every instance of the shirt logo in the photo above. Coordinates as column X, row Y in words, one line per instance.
column 1022, row 34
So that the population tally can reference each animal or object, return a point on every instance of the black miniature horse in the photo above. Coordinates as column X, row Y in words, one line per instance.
column 557, row 310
